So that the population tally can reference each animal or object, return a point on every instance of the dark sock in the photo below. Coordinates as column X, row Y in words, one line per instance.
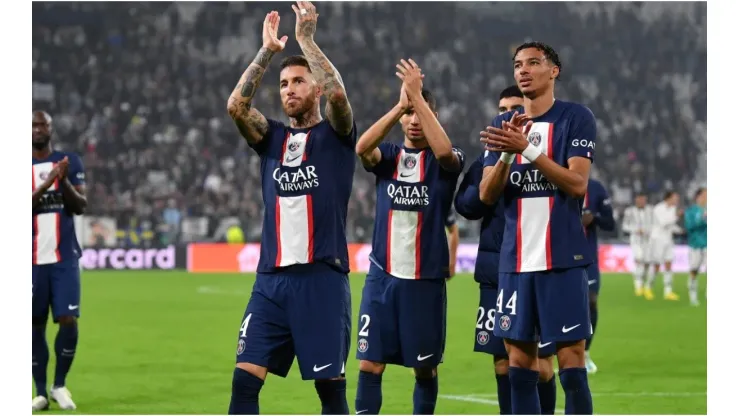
column 245, row 392
column 369, row 393
column 548, row 391
column 524, row 397
column 40, row 353
column 425, row 395
column 64, row 347
column 333, row 396
column 594, row 318
column 504, row 393
column 577, row 394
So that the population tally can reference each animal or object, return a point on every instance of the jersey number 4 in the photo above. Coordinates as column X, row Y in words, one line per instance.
column 245, row 324
column 510, row 304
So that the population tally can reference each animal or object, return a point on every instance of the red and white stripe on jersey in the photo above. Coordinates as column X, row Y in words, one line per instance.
column 403, row 245
column 47, row 233
column 533, row 239
column 294, row 214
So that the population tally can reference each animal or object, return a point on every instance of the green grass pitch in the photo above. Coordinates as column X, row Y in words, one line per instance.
column 165, row 342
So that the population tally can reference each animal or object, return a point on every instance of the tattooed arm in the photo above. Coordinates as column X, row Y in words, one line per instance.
column 251, row 123
column 338, row 109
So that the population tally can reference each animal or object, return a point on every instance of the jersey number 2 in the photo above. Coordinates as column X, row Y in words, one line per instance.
column 364, row 325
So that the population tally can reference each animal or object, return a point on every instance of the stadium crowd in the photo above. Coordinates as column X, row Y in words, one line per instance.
column 139, row 91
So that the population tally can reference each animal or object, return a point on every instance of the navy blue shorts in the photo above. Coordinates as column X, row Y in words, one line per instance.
column 56, row 285
column 485, row 340
column 402, row 321
column 547, row 306
column 304, row 311
column 594, row 278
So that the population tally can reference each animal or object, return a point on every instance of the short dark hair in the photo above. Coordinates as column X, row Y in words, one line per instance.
column 429, row 98
column 640, row 193
column 510, row 91
column 699, row 192
column 668, row 194
column 295, row 60
column 549, row 52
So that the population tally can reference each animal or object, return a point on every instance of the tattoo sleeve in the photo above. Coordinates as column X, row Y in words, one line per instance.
column 251, row 123
column 338, row 109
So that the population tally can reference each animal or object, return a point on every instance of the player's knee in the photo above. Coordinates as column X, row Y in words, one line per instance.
column 67, row 320
column 522, row 354
column 572, row 354
column 545, row 366
column 425, row 372
column 372, row 367
column 501, row 365
column 255, row 370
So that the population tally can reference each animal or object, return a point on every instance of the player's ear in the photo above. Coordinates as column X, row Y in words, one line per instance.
column 436, row 114
column 555, row 72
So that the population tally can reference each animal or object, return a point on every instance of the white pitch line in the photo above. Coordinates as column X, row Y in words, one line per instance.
column 210, row 290
column 629, row 394
column 473, row 399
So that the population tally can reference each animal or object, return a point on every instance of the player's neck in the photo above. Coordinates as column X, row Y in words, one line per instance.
column 41, row 153
column 415, row 144
column 537, row 106
column 306, row 120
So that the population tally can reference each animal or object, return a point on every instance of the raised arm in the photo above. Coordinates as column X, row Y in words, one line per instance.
column 338, row 110
column 410, row 74
column 73, row 187
column 41, row 190
column 251, row 123
column 367, row 145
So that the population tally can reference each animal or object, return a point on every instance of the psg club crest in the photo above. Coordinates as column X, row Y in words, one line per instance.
column 240, row 347
column 504, row 322
column 535, row 138
column 409, row 162
column 362, row 345
column 482, row 337
column 293, row 146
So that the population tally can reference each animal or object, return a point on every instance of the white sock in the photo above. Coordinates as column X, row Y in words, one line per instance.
column 667, row 282
column 650, row 276
column 638, row 274
column 693, row 289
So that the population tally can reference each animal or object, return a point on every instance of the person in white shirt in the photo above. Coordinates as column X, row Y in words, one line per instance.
column 637, row 224
column 663, row 225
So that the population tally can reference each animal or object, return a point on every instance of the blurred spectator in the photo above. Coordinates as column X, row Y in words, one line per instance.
column 139, row 90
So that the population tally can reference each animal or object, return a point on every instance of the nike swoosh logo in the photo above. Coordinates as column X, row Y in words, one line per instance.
column 288, row 160
column 541, row 345
column 420, row 358
column 317, row 369
column 73, row 307
column 590, row 282
column 566, row 330
column 360, row 412
column 406, row 176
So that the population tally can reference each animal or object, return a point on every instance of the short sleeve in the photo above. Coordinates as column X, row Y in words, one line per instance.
column 387, row 164
column 264, row 144
column 460, row 156
column 76, row 173
column 582, row 135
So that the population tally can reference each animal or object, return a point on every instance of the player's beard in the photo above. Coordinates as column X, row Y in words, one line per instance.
column 41, row 143
column 301, row 110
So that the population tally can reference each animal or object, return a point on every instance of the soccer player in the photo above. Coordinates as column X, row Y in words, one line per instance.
column 539, row 171
column 637, row 224
column 469, row 205
column 58, row 195
column 695, row 221
column 300, row 302
column 664, row 224
column 597, row 213
column 402, row 317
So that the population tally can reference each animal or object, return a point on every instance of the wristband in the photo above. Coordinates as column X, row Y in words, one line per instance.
column 531, row 152
column 507, row 158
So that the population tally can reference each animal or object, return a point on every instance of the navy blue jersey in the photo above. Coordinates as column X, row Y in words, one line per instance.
column 598, row 203
column 306, row 184
column 54, row 237
column 414, row 196
column 469, row 205
column 450, row 219
column 543, row 224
